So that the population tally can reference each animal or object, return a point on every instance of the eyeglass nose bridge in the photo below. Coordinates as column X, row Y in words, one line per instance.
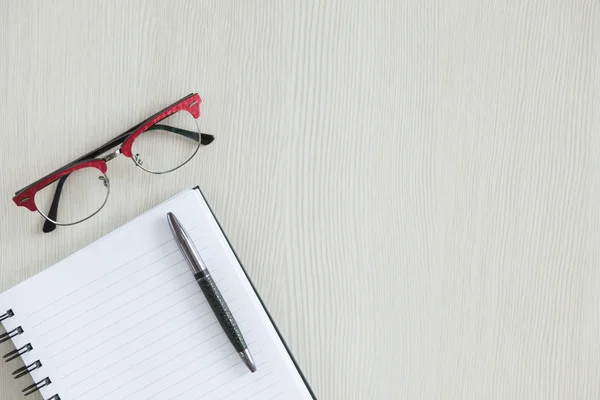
column 112, row 155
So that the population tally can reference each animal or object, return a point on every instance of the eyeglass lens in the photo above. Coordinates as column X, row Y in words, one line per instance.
column 162, row 148
column 168, row 144
column 82, row 194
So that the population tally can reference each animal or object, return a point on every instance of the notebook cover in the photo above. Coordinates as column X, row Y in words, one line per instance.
column 259, row 298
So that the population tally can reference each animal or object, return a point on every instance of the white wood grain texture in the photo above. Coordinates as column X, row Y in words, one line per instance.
column 413, row 186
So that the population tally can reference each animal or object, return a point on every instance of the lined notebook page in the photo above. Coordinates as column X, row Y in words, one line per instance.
column 124, row 319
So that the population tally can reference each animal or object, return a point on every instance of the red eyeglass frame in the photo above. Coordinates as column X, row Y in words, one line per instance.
column 26, row 197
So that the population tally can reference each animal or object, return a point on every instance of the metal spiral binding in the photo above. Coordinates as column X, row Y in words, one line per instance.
column 19, row 373
column 27, row 370
column 9, row 335
column 8, row 314
column 36, row 386
column 13, row 355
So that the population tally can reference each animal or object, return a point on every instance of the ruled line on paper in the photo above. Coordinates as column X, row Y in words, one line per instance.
column 103, row 289
column 72, row 345
column 160, row 366
column 238, row 376
column 131, row 341
column 116, row 296
column 113, row 310
column 234, row 365
column 229, row 381
column 115, row 389
column 206, row 380
column 147, row 319
column 256, row 393
column 148, row 345
column 250, row 383
column 218, row 334
column 112, row 284
column 142, row 349
column 173, row 358
column 208, row 366
column 223, row 384
column 144, row 307
column 108, row 273
column 108, row 287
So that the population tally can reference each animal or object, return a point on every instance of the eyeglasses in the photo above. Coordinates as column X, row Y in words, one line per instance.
column 78, row 191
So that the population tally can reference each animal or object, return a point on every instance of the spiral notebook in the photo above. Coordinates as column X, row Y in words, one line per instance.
column 123, row 319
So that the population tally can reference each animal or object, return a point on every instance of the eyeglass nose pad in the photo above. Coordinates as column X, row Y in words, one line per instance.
column 104, row 180
column 137, row 159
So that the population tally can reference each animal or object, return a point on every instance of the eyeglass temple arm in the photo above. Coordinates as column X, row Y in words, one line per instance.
column 204, row 138
column 49, row 226
column 52, row 213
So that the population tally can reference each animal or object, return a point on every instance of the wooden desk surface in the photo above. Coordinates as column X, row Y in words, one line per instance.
column 412, row 185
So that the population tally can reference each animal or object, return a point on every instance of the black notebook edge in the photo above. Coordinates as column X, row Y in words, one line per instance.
column 287, row 349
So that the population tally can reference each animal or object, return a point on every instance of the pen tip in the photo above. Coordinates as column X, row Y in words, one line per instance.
column 248, row 360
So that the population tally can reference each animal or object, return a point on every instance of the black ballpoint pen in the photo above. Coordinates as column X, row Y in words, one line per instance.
column 210, row 290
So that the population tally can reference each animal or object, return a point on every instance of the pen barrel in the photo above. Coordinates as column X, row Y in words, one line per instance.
column 219, row 307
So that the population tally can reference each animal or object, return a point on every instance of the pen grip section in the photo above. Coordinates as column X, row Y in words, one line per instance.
column 219, row 307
